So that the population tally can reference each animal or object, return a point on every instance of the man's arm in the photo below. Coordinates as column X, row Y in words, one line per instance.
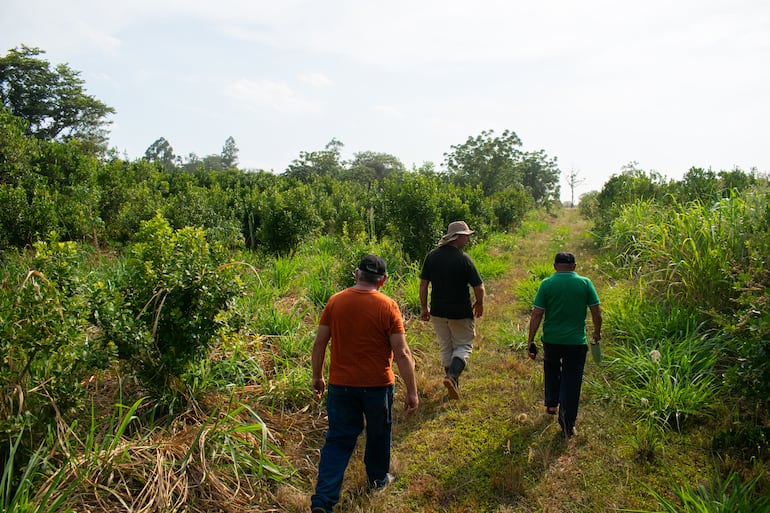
column 318, row 356
column 534, row 324
column 403, row 357
column 478, row 306
column 424, row 310
column 596, row 317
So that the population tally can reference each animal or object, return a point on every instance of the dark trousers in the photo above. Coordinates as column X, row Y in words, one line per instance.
column 563, row 375
column 349, row 410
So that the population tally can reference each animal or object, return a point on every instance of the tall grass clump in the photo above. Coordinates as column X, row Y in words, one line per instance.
column 637, row 314
column 686, row 253
column 722, row 495
column 667, row 381
column 709, row 259
column 38, row 486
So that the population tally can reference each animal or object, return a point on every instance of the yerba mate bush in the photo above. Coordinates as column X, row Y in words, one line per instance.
column 48, row 350
column 161, row 308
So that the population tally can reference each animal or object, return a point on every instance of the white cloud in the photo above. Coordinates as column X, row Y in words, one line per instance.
column 388, row 111
column 266, row 94
column 316, row 79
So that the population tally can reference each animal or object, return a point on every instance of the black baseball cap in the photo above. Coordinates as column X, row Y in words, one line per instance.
column 373, row 265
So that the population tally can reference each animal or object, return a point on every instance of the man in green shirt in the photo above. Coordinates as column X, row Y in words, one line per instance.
column 562, row 300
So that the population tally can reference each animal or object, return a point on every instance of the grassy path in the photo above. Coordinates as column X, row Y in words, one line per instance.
column 494, row 449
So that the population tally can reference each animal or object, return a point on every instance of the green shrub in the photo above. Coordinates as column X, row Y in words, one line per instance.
column 165, row 310
column 48, row 351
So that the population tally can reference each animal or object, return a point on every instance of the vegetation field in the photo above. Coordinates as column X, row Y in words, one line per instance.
column 157, row 317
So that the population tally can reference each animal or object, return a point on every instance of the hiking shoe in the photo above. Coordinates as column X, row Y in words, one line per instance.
column 451, row 386
column 379, row 484
column 317, row 510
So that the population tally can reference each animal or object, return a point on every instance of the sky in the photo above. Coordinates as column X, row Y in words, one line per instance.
column 595, row 84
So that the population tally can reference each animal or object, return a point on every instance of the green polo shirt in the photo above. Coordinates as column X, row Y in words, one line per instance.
column 565, row 297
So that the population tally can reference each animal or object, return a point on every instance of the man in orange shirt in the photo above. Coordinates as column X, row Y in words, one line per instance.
column 366, row 331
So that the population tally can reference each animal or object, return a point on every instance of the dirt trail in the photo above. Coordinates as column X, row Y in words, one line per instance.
column 494, row 449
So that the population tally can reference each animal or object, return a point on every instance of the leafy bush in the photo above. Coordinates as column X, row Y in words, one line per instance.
column 165, row 310
column 510, row 206
column 413, row 213
column 283, row 218
column 47, row 349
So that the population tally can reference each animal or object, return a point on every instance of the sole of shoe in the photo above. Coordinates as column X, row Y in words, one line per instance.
column 380, row 485
column 451, row 387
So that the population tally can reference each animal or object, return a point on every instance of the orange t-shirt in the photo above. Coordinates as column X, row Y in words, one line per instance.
column 361, row 323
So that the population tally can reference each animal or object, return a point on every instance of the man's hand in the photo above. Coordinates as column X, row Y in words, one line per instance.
column 532, row 350
column 411, row 401
column 319, row 385
column 424, row 314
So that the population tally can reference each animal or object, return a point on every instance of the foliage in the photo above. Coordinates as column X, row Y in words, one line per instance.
column 161, row 151
column 283, row 218
column 230, row 153
column 369, row 167
column 486, row 160
column 47, row 350
column 709, row 257
column 413, row 213
column 510, row 206
column 631, row 185
column 312, row 165
column 526, row 290
column 52, row 101
column 20, row 488
column 163, row 313
column 540, row 177
column 635, row 185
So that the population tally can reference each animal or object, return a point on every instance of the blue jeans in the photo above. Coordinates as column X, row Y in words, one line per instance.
column 347, row 408
column 563, row 375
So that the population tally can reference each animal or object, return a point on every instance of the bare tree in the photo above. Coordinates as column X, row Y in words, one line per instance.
column 573, row 180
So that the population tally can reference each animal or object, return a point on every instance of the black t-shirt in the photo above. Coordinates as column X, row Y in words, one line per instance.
column 450, row 271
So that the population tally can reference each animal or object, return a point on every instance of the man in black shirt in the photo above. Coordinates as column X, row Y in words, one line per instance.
column 450, row 272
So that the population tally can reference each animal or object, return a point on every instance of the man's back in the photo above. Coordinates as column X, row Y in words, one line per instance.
column 565, row 296
column 361, row 322
column 450, row 271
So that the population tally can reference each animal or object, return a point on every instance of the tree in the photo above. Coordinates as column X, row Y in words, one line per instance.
column 573, row 180
column 230, row 153
column 314, row 164
column 539, row 176
column 52, row 101
column 369, row 166
column 161, row 151
column 486, row 160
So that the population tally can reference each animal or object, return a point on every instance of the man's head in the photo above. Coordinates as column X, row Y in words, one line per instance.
column 372, row 269
column 564, row 261
column 457, row 234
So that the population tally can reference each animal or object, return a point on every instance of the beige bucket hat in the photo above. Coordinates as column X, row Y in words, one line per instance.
column 455, row 228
